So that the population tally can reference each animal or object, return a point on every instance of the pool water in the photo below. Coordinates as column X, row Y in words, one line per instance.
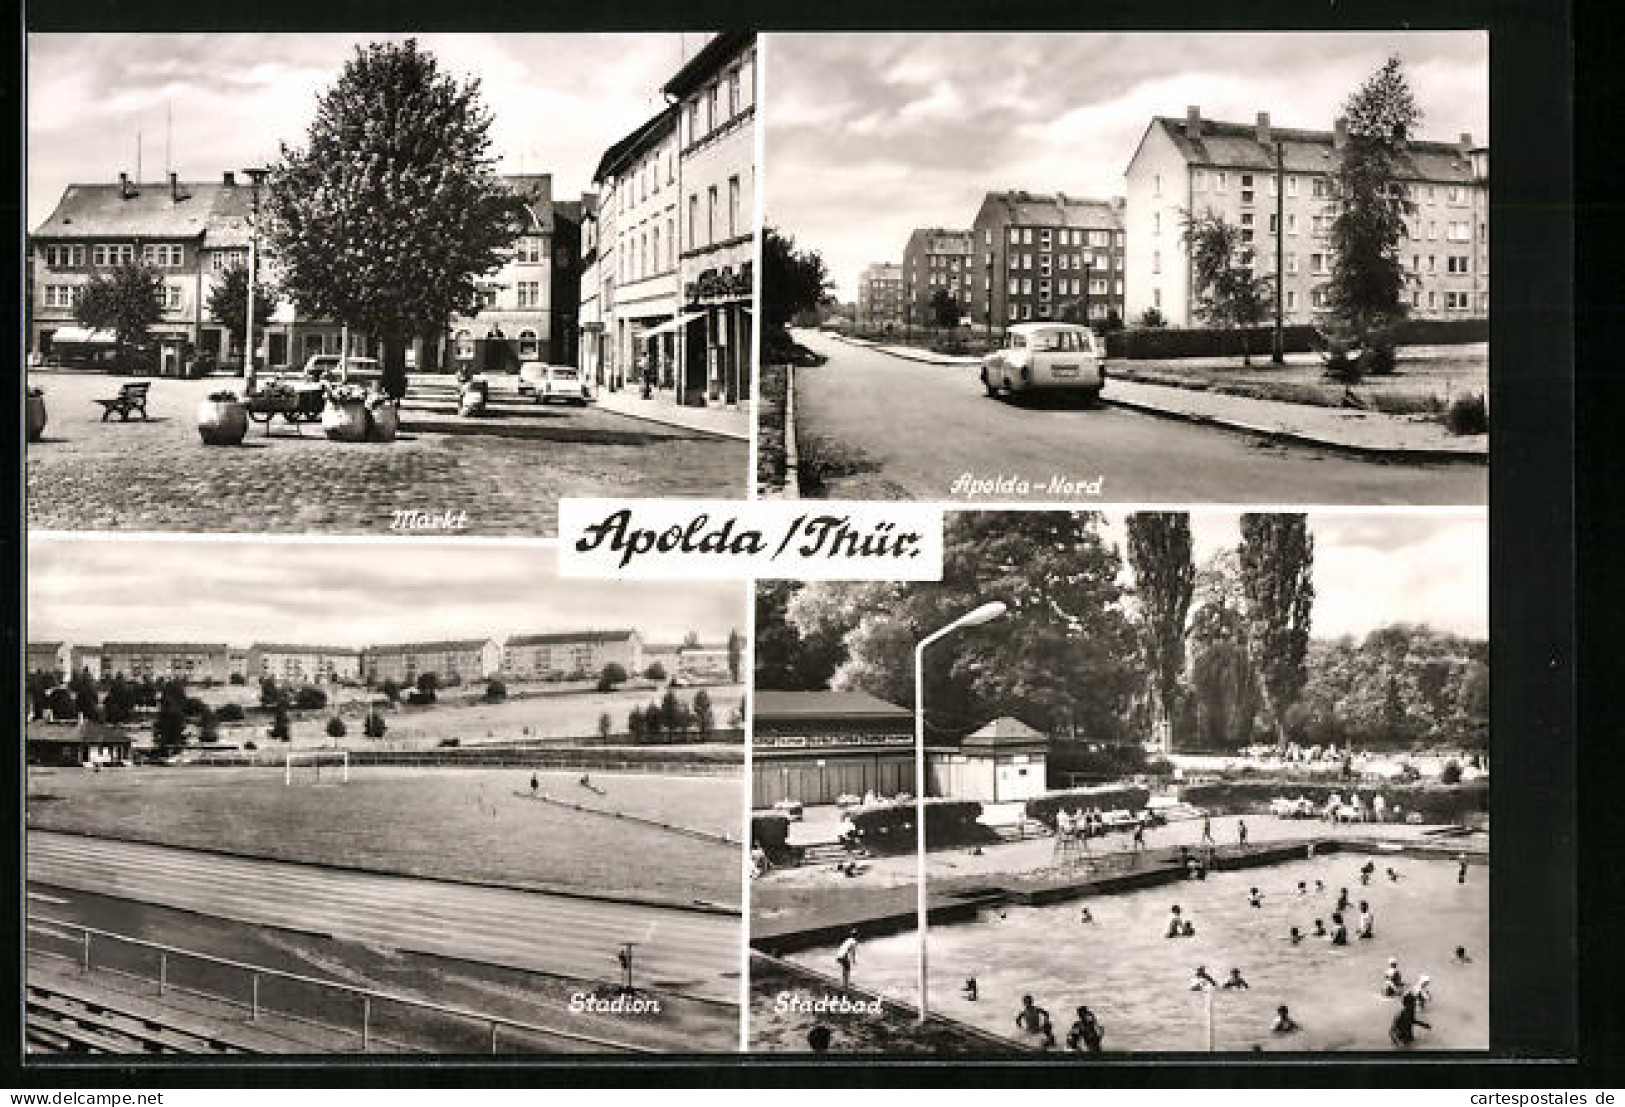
column 1137, row 982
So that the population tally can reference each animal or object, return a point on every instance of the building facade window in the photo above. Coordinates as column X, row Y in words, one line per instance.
column 527, row 344
column 711, row 215
column 530, row 294
column 733, row 200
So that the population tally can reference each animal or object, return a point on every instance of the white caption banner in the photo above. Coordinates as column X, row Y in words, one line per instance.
column 733, row 539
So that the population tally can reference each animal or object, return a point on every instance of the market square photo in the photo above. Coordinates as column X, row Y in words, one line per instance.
column 1127, row 268
column 479, row 272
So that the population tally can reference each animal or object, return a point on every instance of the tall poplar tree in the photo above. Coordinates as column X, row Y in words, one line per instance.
column 1159, row 552
column 1277, row 579
column 392, row 210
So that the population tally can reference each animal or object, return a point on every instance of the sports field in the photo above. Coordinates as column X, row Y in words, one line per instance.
column 458, row 824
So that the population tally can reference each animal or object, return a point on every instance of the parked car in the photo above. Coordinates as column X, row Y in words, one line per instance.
column 543, row 382
column 335, row 368
column 1046, row 357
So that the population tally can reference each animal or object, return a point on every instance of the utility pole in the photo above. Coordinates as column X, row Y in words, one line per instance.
column 256, row 174
column 1278, row 354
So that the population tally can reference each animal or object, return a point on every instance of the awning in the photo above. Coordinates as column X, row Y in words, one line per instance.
column 82, row 334
column 672, row 324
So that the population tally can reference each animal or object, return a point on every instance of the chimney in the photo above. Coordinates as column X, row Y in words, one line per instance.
column 1340, row 133
column 174, row 187
column 1263, row 128
column 1193, row 122
column 228, row 178
column 124, row 186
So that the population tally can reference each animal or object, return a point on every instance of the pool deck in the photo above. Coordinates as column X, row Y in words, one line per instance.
column 892, row 910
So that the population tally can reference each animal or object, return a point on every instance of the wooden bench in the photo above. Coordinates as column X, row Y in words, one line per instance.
column 131, row 397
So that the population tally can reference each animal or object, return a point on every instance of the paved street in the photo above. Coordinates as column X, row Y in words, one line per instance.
column 506, row 472
column 898, row 429
column 691, row 952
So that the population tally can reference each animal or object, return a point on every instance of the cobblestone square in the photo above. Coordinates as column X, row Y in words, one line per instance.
column 506, row 471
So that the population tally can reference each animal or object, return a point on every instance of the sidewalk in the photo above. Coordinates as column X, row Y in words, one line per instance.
column 717, row 419
column 1367, row 432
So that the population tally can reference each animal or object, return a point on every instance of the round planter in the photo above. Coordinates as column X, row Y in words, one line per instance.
column 346, row 422
column 36, row 417
column 385, row 424
column 222, row 422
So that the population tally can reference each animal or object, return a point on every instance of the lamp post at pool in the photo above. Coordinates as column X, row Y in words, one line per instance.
column 984, row 614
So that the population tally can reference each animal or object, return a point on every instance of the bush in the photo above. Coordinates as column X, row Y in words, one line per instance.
column 886, row 828
column 772, row 832
column 1151, row 318
column 374, row 726
column 336, row 727
column 612, row 674
column 656, row 672
column 238, row 678
column 1451, row 773
column 1044, row 807
column 1379, row 356
column 230, row 713
column 310, row 698
column 1338, row 365
column 495, row 691
column 450, row 743
column 1107, row 761
column 1467, row 414
column 250, row 746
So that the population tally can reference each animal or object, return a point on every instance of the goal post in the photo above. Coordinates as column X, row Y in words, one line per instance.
column 318, row 766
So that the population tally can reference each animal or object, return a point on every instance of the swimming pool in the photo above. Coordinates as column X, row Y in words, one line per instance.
column 1137, row 982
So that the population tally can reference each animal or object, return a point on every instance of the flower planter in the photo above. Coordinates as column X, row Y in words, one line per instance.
column 385, row 423
column 222, row 422
column 345, row 422
column 36, row 416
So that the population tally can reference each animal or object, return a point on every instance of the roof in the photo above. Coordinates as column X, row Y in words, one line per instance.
column 102, row 211
column 562, row 637
column 927, row 232
column 45, row 645
column 644, row 136
column 431, row 647
column 279, row 647
column 1006, row 732
column 84, row 730
column 771, row 705
column 1054, row 210
column 169, row 647
column 710, row 58
column 1236, row 146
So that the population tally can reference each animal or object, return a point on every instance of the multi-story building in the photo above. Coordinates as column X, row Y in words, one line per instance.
column 193, row 233
column 49, row 657
column 452, row 662
column 571, row 653
column 295, row 664
column 1047, row 256
column 589, row 314
column 935, row 258
column 715, row 96
column 194, row 662
column 85, row 659
column 880, row 295
column 1246, row 172
column 638, row 253
column 703, row 664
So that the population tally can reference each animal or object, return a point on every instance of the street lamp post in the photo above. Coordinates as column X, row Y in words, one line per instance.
column 986, row 613
column 257, row 175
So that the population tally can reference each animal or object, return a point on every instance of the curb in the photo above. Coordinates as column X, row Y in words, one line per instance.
column 792, row 457
column 737, row 436
column 1392, row 453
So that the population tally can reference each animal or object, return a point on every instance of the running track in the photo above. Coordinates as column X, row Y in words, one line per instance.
column 690, row 952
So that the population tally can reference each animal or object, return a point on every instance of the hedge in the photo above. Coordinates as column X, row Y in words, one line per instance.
column 1044, row 807
column 1437, row 803
column 886, row 828
column 1157, row 343
column 771, row 831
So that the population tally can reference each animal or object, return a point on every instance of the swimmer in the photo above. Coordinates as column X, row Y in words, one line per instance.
column 1393, row 982
column 1342, row 899
column 969, row 990
column 1234, row 980
column 1035, row 1020
column 1320, row 886
column 1461, row 868
column 1086, row 1033
column 1303, row 887
column 1320, row 929
column 1188, row 930
column 1340, row 933
column 1402, row 1031
column 1174, row 923
column 1393, row 877
column 1461, row 956
column 1086, row 916
column 1255, row 898
column 1421, row 990
column 1283, row 1023
column 1295, row 936
column 1200, row 979
column 1367, row 920
column 1207, row 832
column 1241, row 833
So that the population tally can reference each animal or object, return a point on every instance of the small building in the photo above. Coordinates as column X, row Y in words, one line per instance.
column 1004, row 762
column 80, row 743
column 563, row 654
column 193, row 662
column 704, row 664
column 812, row 747
column 451, row 662
column 296, row 664
column 48, row 657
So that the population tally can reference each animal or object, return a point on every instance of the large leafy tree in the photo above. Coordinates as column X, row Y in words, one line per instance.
column 1368, row 224
column 1224, row 694
column 127, row 300
column 228, row 302
column 392, row 211
column 1277, row 558
column 1159, row 552
column 795, row 656
column 793, row 280
column 1228, row 292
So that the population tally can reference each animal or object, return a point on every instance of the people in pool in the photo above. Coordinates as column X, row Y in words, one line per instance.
column 1303, row 887
column 1295, row 936
column 1393, row 981
column 1187, row 930
column 1201, row 979
column 1086, row 1033
column 1033, row 1019
column 969, row 990
column 1340, row 933
column 1175, row 923
column 1234, row 980
column 1342, row 899
column 1320, row 886
column 1367, row 920
column 1283, row 1023
column 1255, row 898
column 1422, row 990
column 1393, row 877
column 1461, row 956
column 1320, row 929
column 1461, row 868
column 1402, row 1031
column 1086, row 916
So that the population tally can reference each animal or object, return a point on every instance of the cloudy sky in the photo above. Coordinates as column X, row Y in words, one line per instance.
column 558, row 100
column 344, row 594
column 870, row 136
column 1375, row 569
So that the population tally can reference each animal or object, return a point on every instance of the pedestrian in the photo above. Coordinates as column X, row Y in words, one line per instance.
column 1139, row 835
column 535, row 786
column 1461, row 868
column 1320, row 929
column 1241, row 833
column 1207, row 832
column 847, row 955
column 1087, row 916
